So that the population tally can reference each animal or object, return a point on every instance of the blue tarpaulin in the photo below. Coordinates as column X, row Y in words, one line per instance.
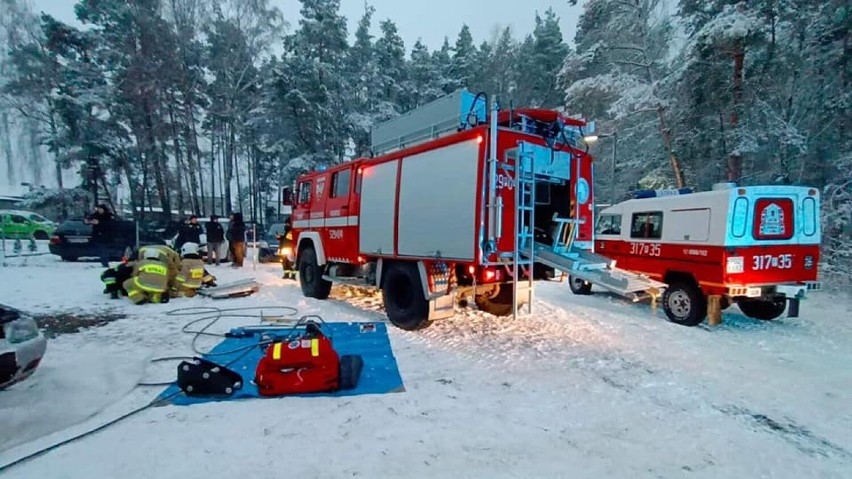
column 368, row 340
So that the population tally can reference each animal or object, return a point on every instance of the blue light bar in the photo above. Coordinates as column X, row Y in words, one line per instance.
column 642, row 194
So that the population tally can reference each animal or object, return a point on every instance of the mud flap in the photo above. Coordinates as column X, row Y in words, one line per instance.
column 441, row 307
column 793, row 309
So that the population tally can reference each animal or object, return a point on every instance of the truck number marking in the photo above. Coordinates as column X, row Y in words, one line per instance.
column 768, row 261
column 645, row 249
column 505, row 181
column 335, row 234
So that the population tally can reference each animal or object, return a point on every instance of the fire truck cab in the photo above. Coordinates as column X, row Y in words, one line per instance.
column 756, row 246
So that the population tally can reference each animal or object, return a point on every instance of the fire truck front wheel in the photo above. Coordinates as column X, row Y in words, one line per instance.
column 685, row 304
column 763, row 310
column 310, row 276
column 402, row 293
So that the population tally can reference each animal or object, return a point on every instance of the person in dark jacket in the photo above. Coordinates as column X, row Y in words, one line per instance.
column 215, row 238
column 237, row 239
column 190, row 232
column 102, row 231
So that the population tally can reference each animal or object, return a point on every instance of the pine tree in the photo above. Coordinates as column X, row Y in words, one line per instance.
column 424, row 78
column 463, row 63
column 312, row 81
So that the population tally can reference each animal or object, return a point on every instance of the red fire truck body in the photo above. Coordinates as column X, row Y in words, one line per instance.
column 757, row 246
column 428, row 221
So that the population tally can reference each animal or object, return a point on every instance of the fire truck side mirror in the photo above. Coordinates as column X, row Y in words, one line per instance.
column 287, row 196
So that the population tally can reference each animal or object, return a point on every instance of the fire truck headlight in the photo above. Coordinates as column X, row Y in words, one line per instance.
column 809, row 262
column 735, row 264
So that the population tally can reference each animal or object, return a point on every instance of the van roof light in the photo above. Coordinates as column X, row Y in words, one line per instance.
column 641, row 194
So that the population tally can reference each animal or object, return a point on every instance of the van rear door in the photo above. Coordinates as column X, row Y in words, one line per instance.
column 775, row 230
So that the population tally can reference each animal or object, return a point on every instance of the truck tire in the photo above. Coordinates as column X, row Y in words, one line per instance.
column 310, row 276
column 579, row 286
column 402, row 293
column 499, row 303
column 763, row 310
column 685, row 304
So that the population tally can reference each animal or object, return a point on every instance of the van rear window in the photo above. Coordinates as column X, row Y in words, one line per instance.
column 773, row 219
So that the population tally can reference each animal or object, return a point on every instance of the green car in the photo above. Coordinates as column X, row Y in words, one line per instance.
column 25, row 224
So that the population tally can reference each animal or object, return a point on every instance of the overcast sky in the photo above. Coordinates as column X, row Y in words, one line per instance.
column 430, row 20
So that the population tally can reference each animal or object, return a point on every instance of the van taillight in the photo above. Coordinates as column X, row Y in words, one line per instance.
column 55, row 240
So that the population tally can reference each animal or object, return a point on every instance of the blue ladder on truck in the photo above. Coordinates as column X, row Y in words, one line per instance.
column 524, row 254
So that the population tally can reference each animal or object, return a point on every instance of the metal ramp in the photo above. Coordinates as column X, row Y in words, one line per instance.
column 594, row 268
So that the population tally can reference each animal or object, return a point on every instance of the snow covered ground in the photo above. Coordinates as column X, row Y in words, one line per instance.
column 588, row 387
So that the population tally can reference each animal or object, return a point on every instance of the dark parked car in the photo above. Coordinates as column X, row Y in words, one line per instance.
column 73, row 240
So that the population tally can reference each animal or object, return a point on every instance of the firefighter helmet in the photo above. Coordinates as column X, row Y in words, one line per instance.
column 188, row 249
column 150, row 253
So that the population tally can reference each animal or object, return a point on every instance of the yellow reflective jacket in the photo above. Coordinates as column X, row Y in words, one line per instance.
column 191, row 273
column 151, row 276
column 167, row 256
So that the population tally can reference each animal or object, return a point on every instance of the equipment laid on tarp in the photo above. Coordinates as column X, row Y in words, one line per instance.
column 236, row 289
column 363, row 349
column 306, row 363
column 200, row 377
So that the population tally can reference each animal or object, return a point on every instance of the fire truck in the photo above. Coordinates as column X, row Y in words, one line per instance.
column 456, row 203
column 756, row 246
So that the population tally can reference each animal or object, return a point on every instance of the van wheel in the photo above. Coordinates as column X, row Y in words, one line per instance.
column 402, row 293
column 763, row 310
column 579, row 286
column 40, row 235
column 498, row 302
column 685, row 304
column 310, row 276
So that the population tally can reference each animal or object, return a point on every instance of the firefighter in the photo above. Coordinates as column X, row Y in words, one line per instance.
column 166, row 255
column 114, row 278
column 150, row 280
column 192, row 274
column 285, row 251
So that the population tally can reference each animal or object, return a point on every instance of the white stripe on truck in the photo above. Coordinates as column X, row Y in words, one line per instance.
column 334, row 222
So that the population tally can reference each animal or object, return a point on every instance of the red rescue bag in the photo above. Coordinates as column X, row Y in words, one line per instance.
column 307, row 364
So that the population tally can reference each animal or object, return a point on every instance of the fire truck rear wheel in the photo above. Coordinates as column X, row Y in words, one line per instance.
column 685, row 304
column 402, row 293
column 579, row 286
column 763, row 310
column 310, row 276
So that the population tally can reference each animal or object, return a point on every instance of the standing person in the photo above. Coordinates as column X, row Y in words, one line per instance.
column 237, row 239
column 190, row 232
column 215, row 238
column 102, row 231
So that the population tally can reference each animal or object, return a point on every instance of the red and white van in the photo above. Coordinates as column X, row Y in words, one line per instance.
column 757, row 246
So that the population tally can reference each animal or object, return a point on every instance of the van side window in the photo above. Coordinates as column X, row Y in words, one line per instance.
column 647, row 225
column 609, row 225
column 304, row 192
column 19, row 219
column 340, row 183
